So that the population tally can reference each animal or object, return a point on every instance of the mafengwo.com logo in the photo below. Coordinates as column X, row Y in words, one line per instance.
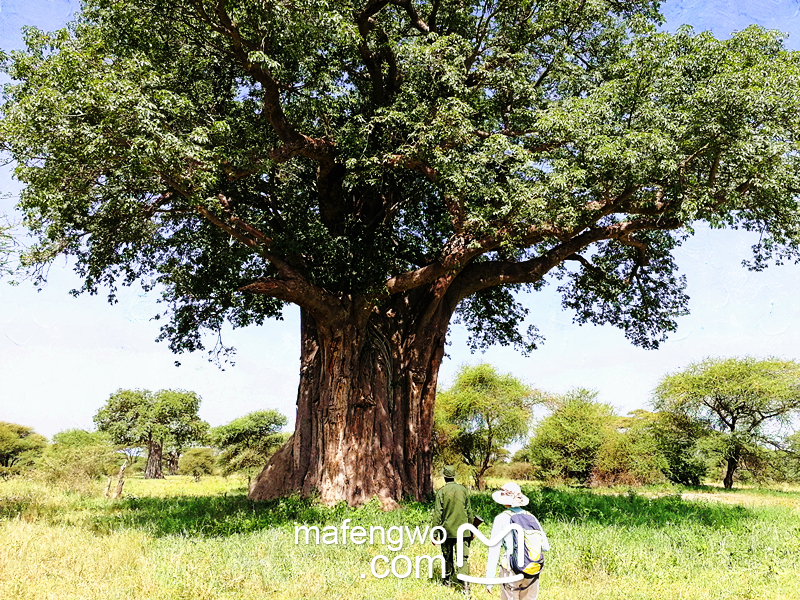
column 395, row 539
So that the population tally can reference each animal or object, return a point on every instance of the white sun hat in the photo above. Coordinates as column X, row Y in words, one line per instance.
column 510, row 495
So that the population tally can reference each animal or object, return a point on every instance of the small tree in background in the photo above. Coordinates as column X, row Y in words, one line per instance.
column 19, row 447
column 183, row 433
column 565, row 444
column 197, row 462
column 247, row 443
column 144, row 418
column 487, row 411
column 745, row 404
column 80, row 438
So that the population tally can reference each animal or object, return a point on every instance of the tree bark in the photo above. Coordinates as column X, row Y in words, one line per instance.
column 733, row 463
column 120, row 482
column 364, row 406
column 173, row 458
column 154, row 455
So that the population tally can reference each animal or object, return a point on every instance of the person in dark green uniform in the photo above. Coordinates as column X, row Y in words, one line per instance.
column 451, row 510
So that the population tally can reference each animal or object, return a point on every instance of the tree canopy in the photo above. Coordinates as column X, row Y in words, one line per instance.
column 747, row 402
column 388, row 165
column 485, row 410
column 243, row 155
column 19, row 446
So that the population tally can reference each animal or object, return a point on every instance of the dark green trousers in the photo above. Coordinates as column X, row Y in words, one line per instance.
column 449, row 554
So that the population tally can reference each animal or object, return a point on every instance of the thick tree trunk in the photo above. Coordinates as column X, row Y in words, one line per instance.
column 364, row 409
column 154, row 455
column 732, row 465
column 173, row 458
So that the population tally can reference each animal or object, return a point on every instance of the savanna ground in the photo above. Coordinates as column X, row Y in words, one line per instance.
column 177, row 539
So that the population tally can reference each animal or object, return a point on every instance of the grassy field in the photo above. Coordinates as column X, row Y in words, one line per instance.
column 177, row 539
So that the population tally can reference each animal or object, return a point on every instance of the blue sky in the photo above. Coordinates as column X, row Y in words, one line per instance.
column 61, row 357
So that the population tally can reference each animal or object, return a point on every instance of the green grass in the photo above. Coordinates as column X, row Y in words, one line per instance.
column 177, row 539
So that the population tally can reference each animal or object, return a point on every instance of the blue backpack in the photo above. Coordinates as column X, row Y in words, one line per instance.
column 533, row 559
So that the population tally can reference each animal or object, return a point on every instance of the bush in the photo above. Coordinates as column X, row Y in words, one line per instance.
column 629, row 458
column 75, row 466
column 515, row 470
column 565, row 444
column 197, row 462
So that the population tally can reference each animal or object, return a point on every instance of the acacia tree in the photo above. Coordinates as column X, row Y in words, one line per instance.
column 144, row 418
column 19, row 446
column 387, row 166
column 487, row 411
column 247, row 442
column 744, row 400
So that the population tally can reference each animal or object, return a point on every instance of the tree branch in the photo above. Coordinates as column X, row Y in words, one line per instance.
column 294, row 142
column 414, row 164
column 478, row 276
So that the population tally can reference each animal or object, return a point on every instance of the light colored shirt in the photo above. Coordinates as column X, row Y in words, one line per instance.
column 501, row 522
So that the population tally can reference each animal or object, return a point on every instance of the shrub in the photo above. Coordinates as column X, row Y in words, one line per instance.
column 197, row 462
column 76, row 466
column 515, row 470
column 628, row 458
column 565, row 444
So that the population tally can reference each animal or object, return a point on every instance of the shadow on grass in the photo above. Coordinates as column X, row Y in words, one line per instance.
column 214, row 516
column 209, row 516
column 622, row 510
column 756, row 491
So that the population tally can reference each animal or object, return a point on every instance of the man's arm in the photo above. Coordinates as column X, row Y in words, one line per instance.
column 437, row 510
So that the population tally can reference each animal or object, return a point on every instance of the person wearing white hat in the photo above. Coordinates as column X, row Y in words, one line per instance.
column 511, row 496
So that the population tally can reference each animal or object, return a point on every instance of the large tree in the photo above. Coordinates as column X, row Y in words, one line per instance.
column 746, row 402
column 388, row 165
column 151, row 420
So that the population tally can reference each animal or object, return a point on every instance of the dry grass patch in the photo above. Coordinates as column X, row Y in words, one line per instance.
column 42, row 562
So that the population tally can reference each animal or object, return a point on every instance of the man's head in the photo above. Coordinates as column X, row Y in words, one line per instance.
column 449, row 473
